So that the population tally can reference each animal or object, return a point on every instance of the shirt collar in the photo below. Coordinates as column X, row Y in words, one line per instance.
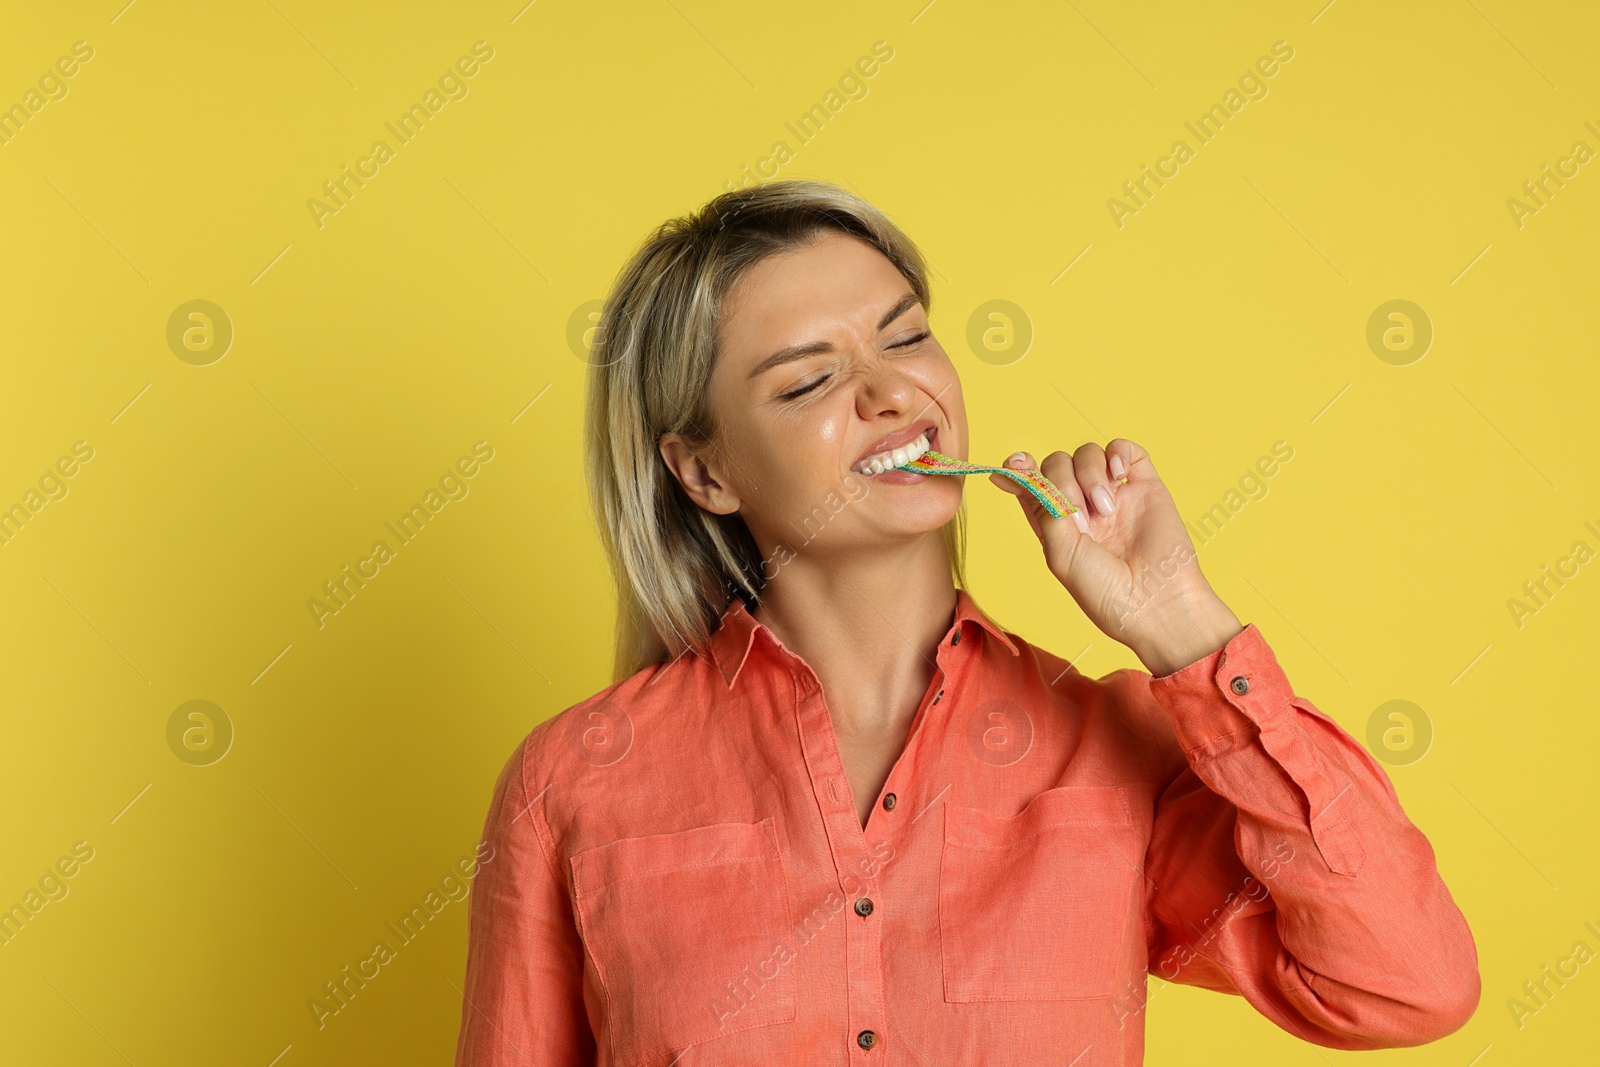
column 735, row 634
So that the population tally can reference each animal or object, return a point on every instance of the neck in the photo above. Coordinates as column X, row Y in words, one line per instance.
column 866, row 623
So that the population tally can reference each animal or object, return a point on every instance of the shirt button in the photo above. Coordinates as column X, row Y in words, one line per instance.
column 864, row 907
column 955, row 639
column 938, row 696
column 888, row 802
column 1240, row 685
column 866, row 1039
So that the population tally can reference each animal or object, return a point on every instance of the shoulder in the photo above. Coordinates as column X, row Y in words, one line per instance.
column 612, row 743
column 598, row 729
column 564, row 763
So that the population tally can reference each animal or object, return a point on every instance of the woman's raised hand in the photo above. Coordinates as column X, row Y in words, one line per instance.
column 1125, row 556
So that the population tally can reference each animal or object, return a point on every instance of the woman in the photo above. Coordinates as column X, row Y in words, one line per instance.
column 830, row 812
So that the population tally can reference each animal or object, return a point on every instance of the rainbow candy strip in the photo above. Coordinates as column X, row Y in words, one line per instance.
column 1054, row 501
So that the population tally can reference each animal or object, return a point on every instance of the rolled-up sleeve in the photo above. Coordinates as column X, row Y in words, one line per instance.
column 1282, row 868
column 523, row 998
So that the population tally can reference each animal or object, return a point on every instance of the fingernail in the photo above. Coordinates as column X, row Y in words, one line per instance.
column 1083, row 523
column 1016, row 459
column 1102, row 499
column 1118, row 468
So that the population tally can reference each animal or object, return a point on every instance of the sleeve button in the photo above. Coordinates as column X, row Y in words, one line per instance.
column 1240, row 685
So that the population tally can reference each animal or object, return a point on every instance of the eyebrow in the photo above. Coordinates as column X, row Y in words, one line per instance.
column 811, row 348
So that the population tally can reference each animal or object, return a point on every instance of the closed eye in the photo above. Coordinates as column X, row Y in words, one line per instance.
column 810, row 386
column 803, row 390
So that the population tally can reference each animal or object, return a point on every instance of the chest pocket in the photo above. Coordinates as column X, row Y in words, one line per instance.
column 689, row 934
column 1037, row 906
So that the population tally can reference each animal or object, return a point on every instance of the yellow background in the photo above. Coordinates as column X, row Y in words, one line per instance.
column 1230, row 313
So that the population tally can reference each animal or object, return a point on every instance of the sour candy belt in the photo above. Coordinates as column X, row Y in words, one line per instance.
column 1054, row 501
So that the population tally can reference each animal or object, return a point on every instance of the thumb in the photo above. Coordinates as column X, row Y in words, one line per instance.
column 1037, row 516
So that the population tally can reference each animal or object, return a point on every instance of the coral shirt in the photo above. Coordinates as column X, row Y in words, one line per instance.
column 680, row 874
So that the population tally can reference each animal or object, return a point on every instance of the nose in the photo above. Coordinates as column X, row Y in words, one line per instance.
column 885, row 389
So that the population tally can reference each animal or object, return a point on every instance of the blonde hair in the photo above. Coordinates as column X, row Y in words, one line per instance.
column 675, row 565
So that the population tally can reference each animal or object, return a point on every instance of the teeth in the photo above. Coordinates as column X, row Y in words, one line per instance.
column 886, row 461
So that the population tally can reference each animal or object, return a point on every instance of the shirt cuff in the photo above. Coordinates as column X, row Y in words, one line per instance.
column 1236, row 690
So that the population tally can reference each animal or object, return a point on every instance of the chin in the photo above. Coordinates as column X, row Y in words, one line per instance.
column 915, row 507
column 896, row 505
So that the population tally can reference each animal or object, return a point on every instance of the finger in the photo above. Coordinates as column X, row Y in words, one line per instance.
column 1036, row 510
column 1016, row 461
column 1089, row 467
column 1030, row 507
column 1009, row 486
column 1127, row 461
column 1019, row 461
column 1057, row 466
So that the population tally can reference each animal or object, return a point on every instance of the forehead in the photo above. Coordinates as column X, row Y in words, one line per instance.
column 837, row 282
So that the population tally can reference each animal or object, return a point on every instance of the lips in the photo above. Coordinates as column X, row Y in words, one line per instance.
column 901, row 437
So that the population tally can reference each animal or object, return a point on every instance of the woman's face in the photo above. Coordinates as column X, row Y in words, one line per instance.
column 826, row 358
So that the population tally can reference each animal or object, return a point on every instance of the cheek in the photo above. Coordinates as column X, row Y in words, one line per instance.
column 801, row 466
column 944, row 385
column 813, row 457
column 938, row 375
column 781, row 463
column 824, row 432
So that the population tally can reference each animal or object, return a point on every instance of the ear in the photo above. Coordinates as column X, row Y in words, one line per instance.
column 700, row 481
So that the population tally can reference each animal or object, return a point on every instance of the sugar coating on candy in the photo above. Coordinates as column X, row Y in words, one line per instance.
column 1053, row 500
